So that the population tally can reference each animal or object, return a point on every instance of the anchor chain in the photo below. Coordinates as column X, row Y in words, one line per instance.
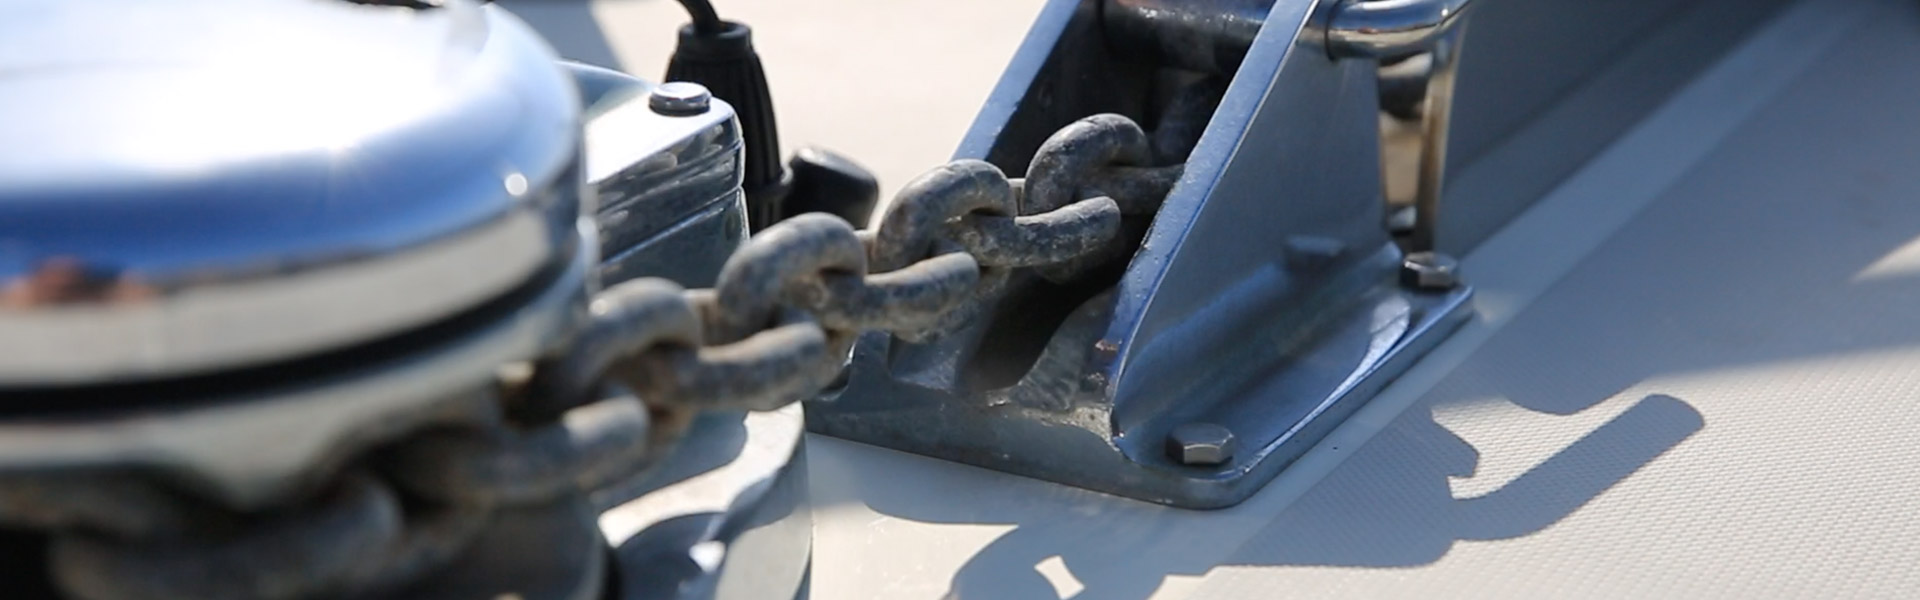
column 778, row 325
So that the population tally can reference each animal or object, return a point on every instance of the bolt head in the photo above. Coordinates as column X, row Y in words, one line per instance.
column 680, row 98
column 1429, row 271
column 1200, row 444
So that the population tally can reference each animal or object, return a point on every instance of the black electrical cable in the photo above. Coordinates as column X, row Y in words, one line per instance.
column 705, row 20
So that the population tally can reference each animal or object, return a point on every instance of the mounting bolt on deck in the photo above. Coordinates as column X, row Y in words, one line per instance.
column 1200, row 444
column 679, row 98
column 1429, row 271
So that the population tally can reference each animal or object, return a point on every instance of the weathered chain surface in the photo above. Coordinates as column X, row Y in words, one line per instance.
column 778, row 326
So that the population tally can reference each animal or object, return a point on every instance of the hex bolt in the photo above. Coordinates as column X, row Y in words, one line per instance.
column 680, row 98
column 1429, row 271
column 1200, row 444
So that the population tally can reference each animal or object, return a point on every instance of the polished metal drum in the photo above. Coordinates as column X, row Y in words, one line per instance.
column 248, row 245
column 200, row 186
column 237, row 237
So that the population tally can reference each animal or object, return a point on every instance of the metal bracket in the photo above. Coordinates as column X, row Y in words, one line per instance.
column 1267, row 301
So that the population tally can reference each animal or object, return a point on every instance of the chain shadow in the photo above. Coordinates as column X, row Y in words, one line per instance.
column 1398, row 513
column 1404, row 517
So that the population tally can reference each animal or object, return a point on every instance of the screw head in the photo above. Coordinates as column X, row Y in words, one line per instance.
column 1200, row 444
column 1429, row 271
column 680, row 98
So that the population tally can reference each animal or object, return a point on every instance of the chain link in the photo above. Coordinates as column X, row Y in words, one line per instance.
column 778, row 325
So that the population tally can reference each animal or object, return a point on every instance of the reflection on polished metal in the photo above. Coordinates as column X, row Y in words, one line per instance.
column 1266, row 297
column 310, row 422
column 1425, row 34
column 668, row 185
column 1390, row 28
column 273, row 210
column 327, row 215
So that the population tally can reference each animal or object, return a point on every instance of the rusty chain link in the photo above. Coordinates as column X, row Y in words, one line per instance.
column 778, row 325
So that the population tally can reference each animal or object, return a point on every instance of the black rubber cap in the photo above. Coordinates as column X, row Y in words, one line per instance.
column 830, row 183
column 726, row 63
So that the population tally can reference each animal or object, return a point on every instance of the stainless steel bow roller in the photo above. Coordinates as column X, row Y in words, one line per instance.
column 1251, row 289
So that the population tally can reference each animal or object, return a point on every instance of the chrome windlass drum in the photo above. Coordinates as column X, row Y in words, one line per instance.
column 252, row 252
